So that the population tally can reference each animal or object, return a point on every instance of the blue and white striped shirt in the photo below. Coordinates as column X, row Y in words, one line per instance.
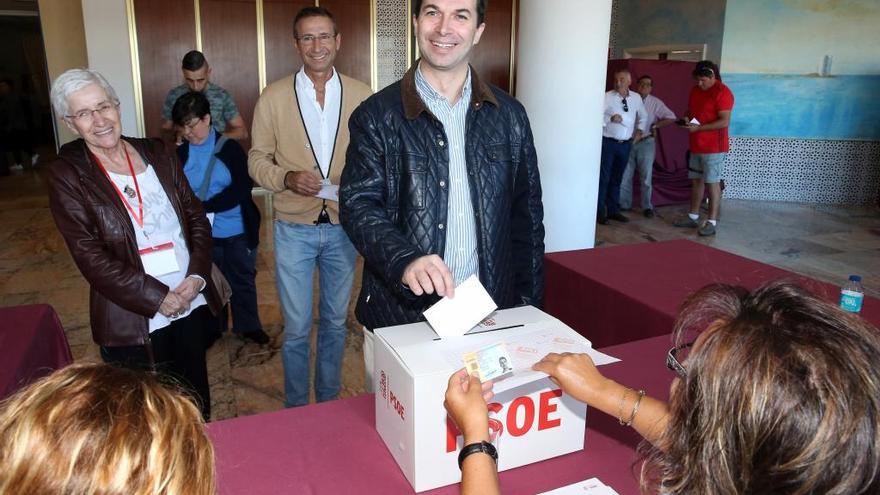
column 460, row 254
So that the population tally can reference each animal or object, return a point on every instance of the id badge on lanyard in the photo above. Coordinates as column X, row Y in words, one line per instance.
column 160, row 259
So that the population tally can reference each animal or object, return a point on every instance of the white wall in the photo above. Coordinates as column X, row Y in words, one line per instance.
column 109, row 52
column 561, row 63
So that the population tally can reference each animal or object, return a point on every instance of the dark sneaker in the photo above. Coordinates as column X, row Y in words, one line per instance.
column 602, row 220
column 649, row 213
column 686, row 222
column 618, row 216
column 706, row 230
column 257, row 336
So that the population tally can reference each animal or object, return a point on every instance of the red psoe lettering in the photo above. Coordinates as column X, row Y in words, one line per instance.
column 397, row 406
column 545, row 408
column 529, row 409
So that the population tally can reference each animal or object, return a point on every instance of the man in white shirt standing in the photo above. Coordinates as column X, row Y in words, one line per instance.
column 300, row 134
column 624, row 122
column 643, row 151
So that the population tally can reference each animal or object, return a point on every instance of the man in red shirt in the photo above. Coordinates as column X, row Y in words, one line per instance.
column 708, row 117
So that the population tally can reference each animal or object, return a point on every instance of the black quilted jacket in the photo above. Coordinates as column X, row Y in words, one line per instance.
column 393, row 197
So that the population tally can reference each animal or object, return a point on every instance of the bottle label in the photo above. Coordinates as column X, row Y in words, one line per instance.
column 851, row 300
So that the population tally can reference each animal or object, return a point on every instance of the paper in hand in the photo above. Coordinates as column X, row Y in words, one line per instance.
column 328, row 191
column 454, row 317
column 694, row 121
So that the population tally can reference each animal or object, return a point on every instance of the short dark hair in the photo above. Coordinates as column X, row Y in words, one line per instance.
column 193, row 104
column 481, row 10
column 706, row 68
column 193, row 60
column 313, row 12
column 645, row 77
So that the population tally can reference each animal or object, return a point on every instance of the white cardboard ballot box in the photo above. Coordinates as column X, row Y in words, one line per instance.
column 530, row 422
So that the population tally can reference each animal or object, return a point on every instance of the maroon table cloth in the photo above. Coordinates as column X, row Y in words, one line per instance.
column 624, row 293
column 333, row 447
column 32, row 344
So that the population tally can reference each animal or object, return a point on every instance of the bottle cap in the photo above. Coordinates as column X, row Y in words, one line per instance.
column 855, row 278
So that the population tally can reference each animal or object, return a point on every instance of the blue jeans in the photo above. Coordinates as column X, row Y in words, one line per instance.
column 239, row 265
column 615, row 155
column 641, row 157
column 298, row 248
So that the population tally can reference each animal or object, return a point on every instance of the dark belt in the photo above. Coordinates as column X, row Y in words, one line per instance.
column 618, row 141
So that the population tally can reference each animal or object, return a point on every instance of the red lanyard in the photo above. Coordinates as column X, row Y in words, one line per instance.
column 139, row 219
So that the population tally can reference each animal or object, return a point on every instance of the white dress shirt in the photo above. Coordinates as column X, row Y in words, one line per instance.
column 633, row 114
column 321, row 123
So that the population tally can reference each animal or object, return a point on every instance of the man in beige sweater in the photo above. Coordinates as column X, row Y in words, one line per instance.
column 300, row 133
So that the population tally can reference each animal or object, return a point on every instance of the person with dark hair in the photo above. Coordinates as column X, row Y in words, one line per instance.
column 710, row 103
column 778, row 394
column 216, row 168
column 298, row 153
column 196, row 75
column 441, row 182
column 624, row 123
column 641, row 157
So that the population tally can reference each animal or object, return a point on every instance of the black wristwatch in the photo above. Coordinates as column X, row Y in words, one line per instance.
column 484, row 447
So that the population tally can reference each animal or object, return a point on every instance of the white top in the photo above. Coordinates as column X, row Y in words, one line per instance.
column 160, row 226
column 633, row 114
column 321, row 123
column 656, row 110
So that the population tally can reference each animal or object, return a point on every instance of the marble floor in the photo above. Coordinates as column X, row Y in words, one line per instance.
column 824, row 242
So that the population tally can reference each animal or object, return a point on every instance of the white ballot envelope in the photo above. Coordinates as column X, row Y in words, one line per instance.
column 454, row 317
column 694, row 121
column 592, row 486
column 328, row 191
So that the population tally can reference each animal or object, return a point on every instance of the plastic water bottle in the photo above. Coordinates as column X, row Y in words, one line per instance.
column 852, row 294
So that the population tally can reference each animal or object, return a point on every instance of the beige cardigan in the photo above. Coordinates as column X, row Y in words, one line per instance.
column 279, row 144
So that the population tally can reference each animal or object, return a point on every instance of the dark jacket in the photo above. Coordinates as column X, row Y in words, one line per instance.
column 101, row 239
column 238, row 193
column 394, row 194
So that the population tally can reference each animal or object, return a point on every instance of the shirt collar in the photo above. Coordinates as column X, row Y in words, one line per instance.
column 303, row 81
column 427, row 92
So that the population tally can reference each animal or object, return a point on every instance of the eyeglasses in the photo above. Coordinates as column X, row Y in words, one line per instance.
column 625, row 106
column 672, row 361
column 324, row 38
column 106, row 109
column 192, row 124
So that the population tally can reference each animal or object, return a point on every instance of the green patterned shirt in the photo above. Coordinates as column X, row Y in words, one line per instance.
column 223, row 109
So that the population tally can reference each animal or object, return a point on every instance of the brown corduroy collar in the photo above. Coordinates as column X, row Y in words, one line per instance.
column 413, row 104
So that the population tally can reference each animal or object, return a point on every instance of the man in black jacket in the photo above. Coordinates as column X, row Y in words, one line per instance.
column 441, row 182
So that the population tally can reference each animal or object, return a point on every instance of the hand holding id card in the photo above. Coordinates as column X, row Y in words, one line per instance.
column 489, row 363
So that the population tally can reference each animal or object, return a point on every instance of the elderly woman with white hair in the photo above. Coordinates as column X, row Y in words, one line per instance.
column 138, row 234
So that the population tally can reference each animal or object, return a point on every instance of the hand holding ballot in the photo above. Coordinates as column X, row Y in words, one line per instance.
column 429, row 275
column 576, row 374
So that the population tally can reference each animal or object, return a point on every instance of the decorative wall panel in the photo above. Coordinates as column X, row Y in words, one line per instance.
column 391, row 31
column 807, row 171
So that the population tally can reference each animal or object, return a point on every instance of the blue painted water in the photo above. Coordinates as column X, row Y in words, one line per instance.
column 806, row 107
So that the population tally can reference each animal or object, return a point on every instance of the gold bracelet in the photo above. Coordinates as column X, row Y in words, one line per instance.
column 620, row 406
column 635, row 408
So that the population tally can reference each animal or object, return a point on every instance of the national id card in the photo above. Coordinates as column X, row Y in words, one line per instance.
column 490, row 362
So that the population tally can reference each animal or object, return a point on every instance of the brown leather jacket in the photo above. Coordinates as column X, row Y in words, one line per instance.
column 101, row 238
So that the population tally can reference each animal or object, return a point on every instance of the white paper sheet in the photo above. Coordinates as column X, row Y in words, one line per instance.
column 694, row 121
column 454, row 317
column 527, row 349
column 591, row 486
column 328, row 191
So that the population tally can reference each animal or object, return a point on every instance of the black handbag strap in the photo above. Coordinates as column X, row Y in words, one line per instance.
column 203, row 189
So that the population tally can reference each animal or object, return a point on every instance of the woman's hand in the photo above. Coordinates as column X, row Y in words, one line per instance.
column 576, row 374
column 465, row 402
column 173, row 305
column 188, row 289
